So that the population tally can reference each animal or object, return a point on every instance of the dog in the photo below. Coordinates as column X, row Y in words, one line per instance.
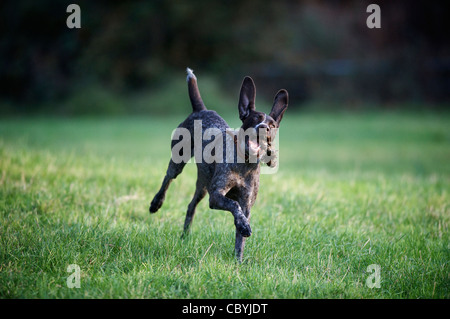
column 233, row 184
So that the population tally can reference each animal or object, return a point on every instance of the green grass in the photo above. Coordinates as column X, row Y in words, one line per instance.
column 351, row 191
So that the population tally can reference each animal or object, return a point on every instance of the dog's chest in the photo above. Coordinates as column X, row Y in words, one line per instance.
column 247, row 181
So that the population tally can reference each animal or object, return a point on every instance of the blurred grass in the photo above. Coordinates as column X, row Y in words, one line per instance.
column 352, row 190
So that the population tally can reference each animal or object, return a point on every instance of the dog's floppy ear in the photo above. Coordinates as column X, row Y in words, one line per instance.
column 246, row 98
column 280, row 104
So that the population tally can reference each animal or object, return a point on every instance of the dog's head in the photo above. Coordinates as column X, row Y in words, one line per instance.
column 261, row 126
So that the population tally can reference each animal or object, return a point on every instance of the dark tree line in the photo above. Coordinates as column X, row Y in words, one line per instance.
column 316, row 49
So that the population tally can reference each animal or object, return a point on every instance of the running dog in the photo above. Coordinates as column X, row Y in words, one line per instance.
column 232, row 181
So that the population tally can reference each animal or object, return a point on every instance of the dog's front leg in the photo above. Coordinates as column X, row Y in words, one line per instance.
column 246, row 198
column 217, row 200
column 240, row 241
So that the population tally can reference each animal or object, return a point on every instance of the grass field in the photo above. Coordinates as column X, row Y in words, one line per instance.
column 352, row 190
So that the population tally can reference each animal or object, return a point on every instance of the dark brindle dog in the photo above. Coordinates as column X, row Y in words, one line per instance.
column 232, row 185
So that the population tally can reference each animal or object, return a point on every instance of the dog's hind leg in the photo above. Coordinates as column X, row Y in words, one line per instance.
column 172, row 172
column 200, row 193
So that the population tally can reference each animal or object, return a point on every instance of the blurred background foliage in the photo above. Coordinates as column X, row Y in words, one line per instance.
column 129, row 57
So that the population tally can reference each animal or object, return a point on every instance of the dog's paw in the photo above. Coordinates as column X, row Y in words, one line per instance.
column 155, row 204
column 243, row 226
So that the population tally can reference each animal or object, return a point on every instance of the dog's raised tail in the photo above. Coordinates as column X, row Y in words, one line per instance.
column 194, row 93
